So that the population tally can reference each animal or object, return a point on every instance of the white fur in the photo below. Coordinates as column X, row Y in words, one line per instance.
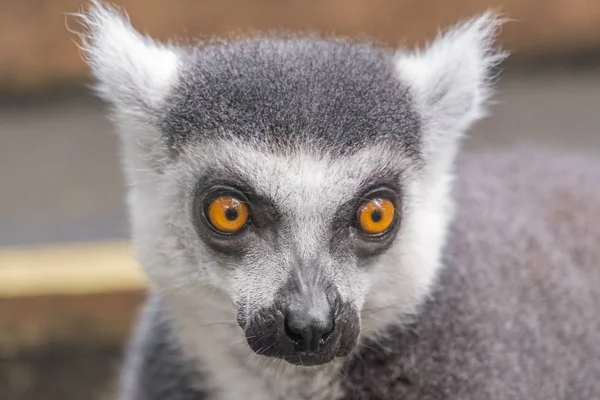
column 134, row 74
column 199, row 292
column 309, row 189
column 450, row 80
column 450, row 83
column 132, row 70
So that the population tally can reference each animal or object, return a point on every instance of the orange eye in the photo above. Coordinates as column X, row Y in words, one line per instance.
column 228, row 214
column 376, row 216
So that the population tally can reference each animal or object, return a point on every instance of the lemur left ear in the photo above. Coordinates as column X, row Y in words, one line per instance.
column 450, row 79
column 132, row 71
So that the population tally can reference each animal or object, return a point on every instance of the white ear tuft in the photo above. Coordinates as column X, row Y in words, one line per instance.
column 450, row 79
column 133, row 72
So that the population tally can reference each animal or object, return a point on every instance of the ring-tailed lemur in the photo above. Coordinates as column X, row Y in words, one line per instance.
column 290, row 204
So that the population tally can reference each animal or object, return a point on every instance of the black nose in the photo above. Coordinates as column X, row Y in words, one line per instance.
column 309, row 331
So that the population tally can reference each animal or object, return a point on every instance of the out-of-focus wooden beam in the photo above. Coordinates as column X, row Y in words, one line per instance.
column 36, row 49
column 68, row 269
column 84, row 294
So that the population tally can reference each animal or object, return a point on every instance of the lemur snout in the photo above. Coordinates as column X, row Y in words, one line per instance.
column 309, row 327
column 309, row 308
column 308, row 324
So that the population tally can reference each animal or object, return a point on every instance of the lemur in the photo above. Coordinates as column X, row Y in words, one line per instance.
column 306, row 232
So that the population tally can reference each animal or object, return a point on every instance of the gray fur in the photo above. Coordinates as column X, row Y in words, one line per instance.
column 304, row 130
column 515, row 313
column 287, row 91
column 155, row 367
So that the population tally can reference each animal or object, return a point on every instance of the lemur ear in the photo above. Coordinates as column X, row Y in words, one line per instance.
column 450, row 79
column 132, row 71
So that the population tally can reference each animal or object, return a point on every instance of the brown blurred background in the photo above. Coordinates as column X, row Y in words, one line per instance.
column 68, row 285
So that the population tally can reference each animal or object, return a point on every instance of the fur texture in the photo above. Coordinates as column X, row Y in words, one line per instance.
column 304, row 129
column 515, row 312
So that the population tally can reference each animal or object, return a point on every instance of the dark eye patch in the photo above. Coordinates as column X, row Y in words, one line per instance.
column 346, row 234
column 263, row 214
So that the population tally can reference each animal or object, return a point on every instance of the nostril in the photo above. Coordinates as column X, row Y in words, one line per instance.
column 307, row 334
column 294, row 336
column 325, row 336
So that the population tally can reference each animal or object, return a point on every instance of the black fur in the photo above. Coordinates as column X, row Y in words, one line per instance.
column 265, row 328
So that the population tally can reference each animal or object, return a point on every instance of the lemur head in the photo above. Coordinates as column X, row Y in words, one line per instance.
column 305, row 180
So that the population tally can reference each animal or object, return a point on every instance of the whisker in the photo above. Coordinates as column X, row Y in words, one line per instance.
column 373, row 349
column 358, row 296
column 371, row 310
column 228, row 323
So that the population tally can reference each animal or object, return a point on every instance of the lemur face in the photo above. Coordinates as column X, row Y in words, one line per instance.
column 293, row 238
column 294, row 189
column 304, row 181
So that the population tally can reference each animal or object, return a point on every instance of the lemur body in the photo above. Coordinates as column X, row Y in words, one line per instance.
column 514, row 313
column 290, row 204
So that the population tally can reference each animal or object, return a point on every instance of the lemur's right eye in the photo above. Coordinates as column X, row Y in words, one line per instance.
column 376, row 216
column 227, row 214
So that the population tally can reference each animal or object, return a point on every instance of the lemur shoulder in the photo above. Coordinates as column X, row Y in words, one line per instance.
column 307, row 234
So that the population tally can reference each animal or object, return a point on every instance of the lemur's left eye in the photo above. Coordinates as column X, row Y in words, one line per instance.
column 376, row 216
column 228, row 214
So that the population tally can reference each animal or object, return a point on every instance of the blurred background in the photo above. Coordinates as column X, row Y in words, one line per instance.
column 69, row 288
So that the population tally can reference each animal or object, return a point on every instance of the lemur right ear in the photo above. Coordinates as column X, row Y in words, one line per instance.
column 132, row 71
column 450, row 79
